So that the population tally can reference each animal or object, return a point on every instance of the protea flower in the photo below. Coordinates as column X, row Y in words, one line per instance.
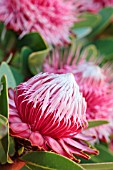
column 51, row 18
column 50, row 112
column 96, row 85
column 98, row 94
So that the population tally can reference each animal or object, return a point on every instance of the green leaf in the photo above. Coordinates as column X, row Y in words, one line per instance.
column 84, row 161
column 8, row 39
column 38, row 168
column 20, row 151
column 4, row 145
column 33, row 53
column 3, row 126
column 36, row 60
column 49, row 160
column 103, row 150
column 106, row 16
column 105, row 155
column 1, row 88
column 105, row 46
column 11, row 146
column 15, row 61
column 88, row 20
column 1, row 27
column 3, row 155
column 94, row 123
column 25, row 52
column 1, row 55
column 98, row 166
column 3, row 120
column 108, row 32
column 82, row 32
column 5, row 70
column 34, row 41
column 4, row 98
column 4, row 148
column 18, row 76
column 26, row 168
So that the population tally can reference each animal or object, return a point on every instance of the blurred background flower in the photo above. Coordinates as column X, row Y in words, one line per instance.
column 52, row 19
column 95, row 82
column 95, row 5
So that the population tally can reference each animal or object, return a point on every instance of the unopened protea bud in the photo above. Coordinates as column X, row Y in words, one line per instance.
column 50, row 112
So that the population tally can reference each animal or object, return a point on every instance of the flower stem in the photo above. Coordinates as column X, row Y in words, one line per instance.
column 17, row 165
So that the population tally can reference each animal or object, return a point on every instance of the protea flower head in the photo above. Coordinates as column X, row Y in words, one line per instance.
column 96, row 85
column 51, row 18
column 50, row 112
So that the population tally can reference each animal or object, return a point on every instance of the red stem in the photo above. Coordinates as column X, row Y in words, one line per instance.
column 17, row 165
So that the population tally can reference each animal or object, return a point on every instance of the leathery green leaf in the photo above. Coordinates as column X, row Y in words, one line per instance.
column 106, row 16
column 34, row 41
column 49, row 160
column 94, row 123
column 3, row 126
column 98, row 166
column 36, row 60
column 4, row 97
column 5, row 70
column 4, row 110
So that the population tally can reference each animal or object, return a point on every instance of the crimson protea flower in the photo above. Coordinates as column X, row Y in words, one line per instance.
column 51, row 18
column 50, row 112
column 96, row 85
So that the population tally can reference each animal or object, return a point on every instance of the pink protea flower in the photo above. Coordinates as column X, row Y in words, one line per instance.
column 97, row 88
column 96, row 85
column 51, row 18
column 49, row 111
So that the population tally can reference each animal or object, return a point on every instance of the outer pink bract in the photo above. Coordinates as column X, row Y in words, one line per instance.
column 95, row 83
column 51, row 18
column 49, row 111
